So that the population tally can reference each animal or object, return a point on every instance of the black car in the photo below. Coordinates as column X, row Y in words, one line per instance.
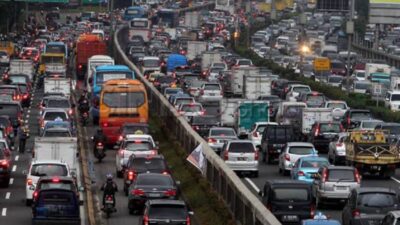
column 59, row 182
column 5, row 167
column 290, row 201
column 166, row 212
column 368, row 205
column 274, row 139
column 202, row 124
column 322, row 133
column 164, row 82
column 150, row 186
column 143, row 164
column 353, row 117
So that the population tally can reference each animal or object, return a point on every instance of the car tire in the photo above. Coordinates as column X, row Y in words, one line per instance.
column 119, row 174
column 28, row 202
column 255, row 174
column 126, row 190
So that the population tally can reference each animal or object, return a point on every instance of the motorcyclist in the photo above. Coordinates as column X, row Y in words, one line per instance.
column 98, row 137
column 109, row 188
column 23, row 134
column 83, row 104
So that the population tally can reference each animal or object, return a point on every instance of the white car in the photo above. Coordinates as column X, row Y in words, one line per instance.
column 241, row 155
column 339, row 108
column 392, row 100
column 142, row 144
column 295, row 90
column 210, row 92
column 359, row 75
column 4, row 58
column 256, row 132
column 292, row 152
column 368, row 124
column 191, row 109
column 337, row 150
column 42, row 168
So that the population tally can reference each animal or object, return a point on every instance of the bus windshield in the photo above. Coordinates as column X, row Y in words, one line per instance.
column 123, row 99
column 139, row 23
column 102, row 77
column 55, row 49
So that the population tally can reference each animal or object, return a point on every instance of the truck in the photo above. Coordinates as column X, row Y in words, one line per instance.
column 248, row 113
column 311, row 115
column 290, row 113
column 195, row 48
column 237, row 77
column 225, row 5
column 57, row 85
column 227, row 110
column 22, row 66
column 8, row 47
column 58, row 148
column 371, row 152
column 140, row 27
column 192, row 19
column 208, row 58
column 87, row 46
column 255, row 86
column 395, row 79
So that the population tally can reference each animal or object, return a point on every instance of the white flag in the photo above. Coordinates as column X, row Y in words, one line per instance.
column 197, row 159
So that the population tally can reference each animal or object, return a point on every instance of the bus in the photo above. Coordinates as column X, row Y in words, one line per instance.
column 140, row 27
column 135, row 12
column 122, row 101
column 57, row 47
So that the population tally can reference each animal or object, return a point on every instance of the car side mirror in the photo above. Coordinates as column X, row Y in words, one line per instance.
column 24, row 172
column 191, row 213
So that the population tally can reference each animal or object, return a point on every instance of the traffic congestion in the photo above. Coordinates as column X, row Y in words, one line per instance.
column 65, row 101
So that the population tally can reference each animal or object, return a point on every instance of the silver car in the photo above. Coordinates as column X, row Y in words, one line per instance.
column 218, row 136
column 292, row 152
column 210, row 92
column 337, row 149
column 335, row 183
column 241, row 155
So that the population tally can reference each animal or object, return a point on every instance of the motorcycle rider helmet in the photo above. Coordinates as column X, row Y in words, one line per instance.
column 109, row 177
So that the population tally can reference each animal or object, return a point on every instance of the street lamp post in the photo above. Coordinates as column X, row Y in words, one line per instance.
column 350, row 32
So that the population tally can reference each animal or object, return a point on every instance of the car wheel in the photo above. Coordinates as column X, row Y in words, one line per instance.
column 255, row 174
column 119, row 174
column 126, row 190
column 318, row 202
column 269, row 159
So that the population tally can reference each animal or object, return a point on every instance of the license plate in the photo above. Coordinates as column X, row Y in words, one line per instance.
column 290, row 218
column 109, row 201
column 373, row 222
column 154, row 195
column 100, row 147
column 341, row 188
column 212, row 94
column 375, row 167
column 241, row 158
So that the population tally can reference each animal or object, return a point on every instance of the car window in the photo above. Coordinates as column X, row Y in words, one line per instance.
column 360, row 115
column 145, row 164
column 301, row 150
column 133, row 129
column 315, row 99
column 313, row 164
column 261, row 128
column 56, row 185
column 344, row 175
column 55, row 115
column 212, row 87
column 222, row 132
column 377, row 200
column 49, row 170
column 290, row 194
column 330, row 127
column 132, row 146
column 292, row 111
column 61, row 103
column 301, row 89
column 392, row 129
column 56, row 134
column 54, row 197
column 191, row 108
column 241, row 147
column 167, row 211
column 336, row 105
column 161, row 180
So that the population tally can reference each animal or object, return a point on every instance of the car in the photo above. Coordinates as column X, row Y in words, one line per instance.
column 4, row 58
column 138, row 144
column 335, row 80
column 52, row 114
column 305, row 168
column 322, row 133
column 210, row 92
column 42, row 168
column 368, row 124
column 58, row 182
column 17, row 95
column 292, row 152
column 166, row 210
column 164, row 82
column 56, row 102
column 132, row 128
column 391, row 218
column 203, row 124
column 334, row 183
column 294, row 91
column 171, row 91
column 339, row 108
column 312, row 99
column 178, row 100
column 143, row 164
column 5, row 167
column 369, row 205
column 274, row 138
column 353, row 117
column 188, row 110
column 218, row 136
column 150, row 186
column 255, row 135
column 25, row 94
column 289, row 201
column 392, row 100
column 241, row 155
column 337, row 149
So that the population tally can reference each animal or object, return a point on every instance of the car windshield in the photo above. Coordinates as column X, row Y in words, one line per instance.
column 301, row 150
column 142, row 164
column 59, row 103
column 330, row 128
column 66, row 185
column 41, row 170
column 124, row 99
column 151, row 63
column 244, row 62
column 238, row 147
column 191, row 108
column 362, row 86
column 222, row 132
column 336, row 175
column 55, row 115
column 315, row 99
column 335, row 79
column 212, row 87
column 336, row 106
column 143, row 146
column 160, row 180
column 301, row 89
column 134, row 129
column 314, row 163
column 290, row 194
column 360, row 115
column 171, row 91
column 18, row 79
column 168, row 212
column 370, row 124
column 377, row 200
column 57, row 134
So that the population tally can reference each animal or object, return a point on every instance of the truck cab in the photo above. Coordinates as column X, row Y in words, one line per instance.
column 392, row 100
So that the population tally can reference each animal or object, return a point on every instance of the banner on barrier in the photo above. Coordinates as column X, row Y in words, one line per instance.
column 197, row 159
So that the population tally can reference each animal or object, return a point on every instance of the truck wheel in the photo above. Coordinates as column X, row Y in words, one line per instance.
column 269, row 159
column 119, row 174
column 264, row 156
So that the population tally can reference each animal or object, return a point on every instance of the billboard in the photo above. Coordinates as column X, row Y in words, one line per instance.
column 333, row 5
column 384, row 11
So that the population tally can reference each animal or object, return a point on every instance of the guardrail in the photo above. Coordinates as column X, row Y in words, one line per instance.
column 243, row 204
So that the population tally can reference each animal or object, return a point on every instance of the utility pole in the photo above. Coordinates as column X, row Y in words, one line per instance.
column 350, row 32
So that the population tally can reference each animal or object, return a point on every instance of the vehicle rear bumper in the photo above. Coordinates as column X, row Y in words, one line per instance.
column 235, row 166
column 334, row 195
column 63, row 221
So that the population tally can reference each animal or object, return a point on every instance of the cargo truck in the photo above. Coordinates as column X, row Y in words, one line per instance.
column 236, row 78
column 255, row 86
column 248, row 113
column 22, row 66
column 209, row 58
column 311, row 115
column 195, row 48
column 227, row 109
column 87, row 46
column 57, row 85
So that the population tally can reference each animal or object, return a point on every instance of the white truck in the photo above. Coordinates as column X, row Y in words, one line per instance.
column 237, row 77
column 371, row 68
column 394, row 82
column 57, row 85
column 209, row 58
column 227, row 109
column 311, row 115
column 22, row 66
column 255, row 86
column 58, row 148
column 192, row 19
column 225, row 5
column 93, row 62
column 195, row 48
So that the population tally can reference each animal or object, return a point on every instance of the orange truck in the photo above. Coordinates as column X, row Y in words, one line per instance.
column 87, row 46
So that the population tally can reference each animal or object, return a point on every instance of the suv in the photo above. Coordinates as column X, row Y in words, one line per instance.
column 170, row 211
column 335, row 183
column 290, row 201
column 203, row 124
column 322, row 133
column 210, row 92
column 241, row 155
column 369, row 205
column 143, row 164
column 312, row 99
column 353, row 117
column 274, row 139
column 58, row 182
column 5, row 167
column 292, row 152
column 218, row 136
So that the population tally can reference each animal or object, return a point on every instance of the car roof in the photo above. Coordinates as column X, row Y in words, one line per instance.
column 166, row 202
column 375, row 189
column 333, row 167
column 138, row 136
column 290, row 144
column 54, row 110
column 64, row 178
column 318, row 158
column 48, row 161
column 294, row 183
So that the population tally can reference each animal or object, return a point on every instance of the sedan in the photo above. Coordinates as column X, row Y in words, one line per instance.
column 305, row 168
column 218, row 136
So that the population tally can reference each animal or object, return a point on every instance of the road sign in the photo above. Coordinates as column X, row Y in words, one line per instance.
column 322, row 64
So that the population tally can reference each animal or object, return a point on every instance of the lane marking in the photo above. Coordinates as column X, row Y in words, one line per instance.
column 29, row 111
column 27, row 116
column 253, row 185
column 4, row 212
column 14, row 168
column 11, row 181
column 398, row 181
column 8, row 194
column 16, row 157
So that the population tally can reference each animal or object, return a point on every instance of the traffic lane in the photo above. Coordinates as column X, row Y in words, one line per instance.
column 107, row 166
column 211, row 108
column 270, row 172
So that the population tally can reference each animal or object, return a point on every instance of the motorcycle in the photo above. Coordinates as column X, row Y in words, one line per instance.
column 84, row 118
column 109, row 205
column 99, row 152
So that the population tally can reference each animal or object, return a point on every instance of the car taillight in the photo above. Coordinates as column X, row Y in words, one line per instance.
column 226, row 155
column 312, row 211
column 255, row 134
column 286, row 89
column 195, row 127
column 300, row 173
column 256, row 155
column 70, row 112
column 187, row 220
column 355, row 213
column 80, row 66
column 357, row 176
column 287, row 157
column 317, row 131
column 181, row 112
column 121, row 153
column 170, row 192
column 324, row 176
column 137, row 192
column 153, row 152
column 202, row 113
column 25, row 96
column 99, row 144
column 105, row 124
column 29, row 181
column 120, row 138
column 156, row 83
column 211, row 140
column 35, row 195
column 165, row 172
column 145, row 220
column 131, row 175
